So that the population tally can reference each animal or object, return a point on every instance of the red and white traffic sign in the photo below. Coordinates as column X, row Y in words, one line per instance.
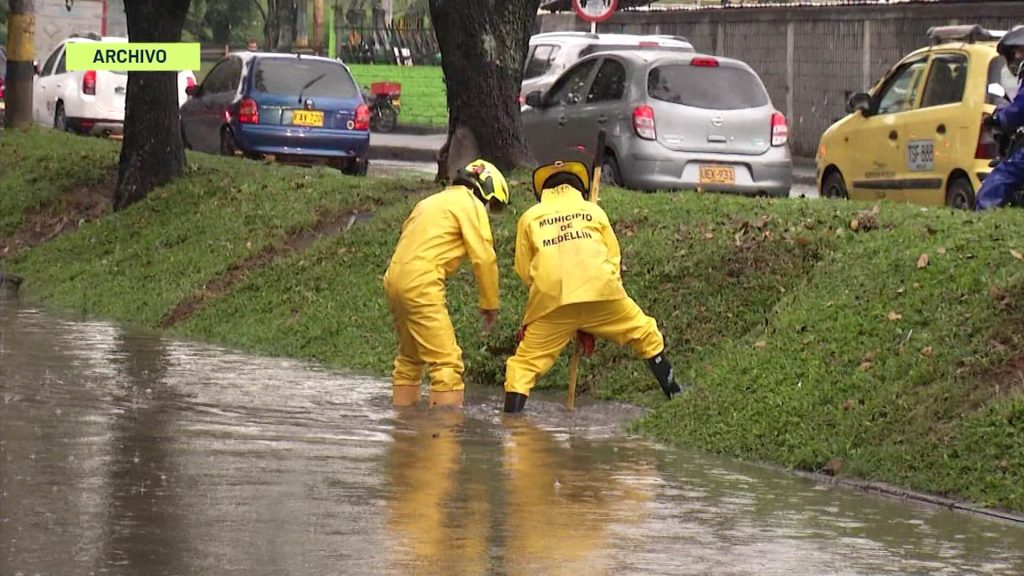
column 594, row 10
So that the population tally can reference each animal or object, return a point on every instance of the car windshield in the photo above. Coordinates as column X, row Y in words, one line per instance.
column 709, row 87
column 999, row 73
column 310, row 78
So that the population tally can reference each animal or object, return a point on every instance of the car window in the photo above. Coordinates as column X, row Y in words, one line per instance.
column 310, row 78
column 900, row 92
column 224, row 77
column 61, row 64
column 999, row 73
column 610, row 82
column 540, row 60
column 946, row 80
column 51, row 62
column 568, row 89
column 708, row 87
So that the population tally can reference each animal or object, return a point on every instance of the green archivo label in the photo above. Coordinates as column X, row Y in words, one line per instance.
column 133, row 56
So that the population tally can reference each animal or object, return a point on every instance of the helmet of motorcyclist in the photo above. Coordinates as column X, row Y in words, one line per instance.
column 1011, row 47
column 486, row 182
column 574, row 174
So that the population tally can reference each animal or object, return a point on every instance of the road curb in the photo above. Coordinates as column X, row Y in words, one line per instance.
column 402, row 153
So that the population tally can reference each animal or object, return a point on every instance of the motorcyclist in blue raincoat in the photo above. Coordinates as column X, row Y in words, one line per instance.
column 1008, row 176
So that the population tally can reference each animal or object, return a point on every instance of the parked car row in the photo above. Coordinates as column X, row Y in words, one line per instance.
column 917, row 135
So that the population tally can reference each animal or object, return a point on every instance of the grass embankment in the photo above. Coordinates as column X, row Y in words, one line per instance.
column 810, row 344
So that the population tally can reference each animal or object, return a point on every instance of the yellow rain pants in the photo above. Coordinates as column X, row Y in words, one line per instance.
column 569, row 258
column 442, row 230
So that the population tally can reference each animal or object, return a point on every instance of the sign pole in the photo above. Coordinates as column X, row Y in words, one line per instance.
column 594, row 11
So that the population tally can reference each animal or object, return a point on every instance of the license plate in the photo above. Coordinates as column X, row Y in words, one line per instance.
column 717, row 175
column 307, row 118
column 397, row 102
column 920, row 155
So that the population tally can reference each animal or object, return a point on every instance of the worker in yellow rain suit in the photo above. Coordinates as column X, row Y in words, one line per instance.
column 441, row 231
column 569, row 259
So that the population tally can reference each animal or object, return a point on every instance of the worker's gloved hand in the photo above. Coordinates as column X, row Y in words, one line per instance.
column 520, row 334
column 586, row 341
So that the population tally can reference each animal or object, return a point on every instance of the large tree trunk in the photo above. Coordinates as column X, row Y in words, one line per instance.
column 483, row 46
column 286, row 15
column 20, row 72
column 318, row 27
column 152, row 153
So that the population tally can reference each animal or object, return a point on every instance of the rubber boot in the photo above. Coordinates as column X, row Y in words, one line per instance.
column 662, row 370
column 405, row 395
column 515, row 402
column 446, row 398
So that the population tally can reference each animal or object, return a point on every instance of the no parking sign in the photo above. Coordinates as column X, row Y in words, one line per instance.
column 594, row 10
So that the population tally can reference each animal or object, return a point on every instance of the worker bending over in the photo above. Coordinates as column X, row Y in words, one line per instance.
column 569, row 259
column 441, row 231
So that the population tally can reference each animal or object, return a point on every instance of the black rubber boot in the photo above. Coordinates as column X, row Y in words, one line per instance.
column 662, row 370
column 515, row 402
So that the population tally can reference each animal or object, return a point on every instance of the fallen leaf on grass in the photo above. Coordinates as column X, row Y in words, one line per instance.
column 760, row 345
column 709, row 236
column 1017, row 255
column 893, row 316
column 922, row 261
column 865, row 365
column 849, row 405
column 927, row 351
column 941, row 250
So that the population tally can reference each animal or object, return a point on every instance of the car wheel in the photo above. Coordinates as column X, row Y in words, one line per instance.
column 387, row 121
column 356, row 166
column 960, row 193
column 227, row 143
column 60, row 120
column 833, row 186
column 610, row 172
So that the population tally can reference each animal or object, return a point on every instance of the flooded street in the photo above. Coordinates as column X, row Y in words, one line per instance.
column 128, row 453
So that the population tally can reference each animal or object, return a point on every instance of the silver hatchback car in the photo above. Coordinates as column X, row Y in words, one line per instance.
column 672, row 121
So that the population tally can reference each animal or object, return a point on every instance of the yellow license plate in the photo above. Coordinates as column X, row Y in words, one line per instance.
column 397, row 102
column 307, row 118
column 717, row 175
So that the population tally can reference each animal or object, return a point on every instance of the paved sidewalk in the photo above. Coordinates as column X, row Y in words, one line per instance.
column 424, row 147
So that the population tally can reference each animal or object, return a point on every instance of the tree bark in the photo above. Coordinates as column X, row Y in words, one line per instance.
column 285, row 25
column 152, row 153
column 20, row 70
column 483, row 47
column 318, row 27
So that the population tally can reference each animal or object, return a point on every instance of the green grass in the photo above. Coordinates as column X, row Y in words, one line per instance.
column 806, row 342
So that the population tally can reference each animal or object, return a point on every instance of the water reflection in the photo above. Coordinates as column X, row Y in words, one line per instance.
column 127, row 453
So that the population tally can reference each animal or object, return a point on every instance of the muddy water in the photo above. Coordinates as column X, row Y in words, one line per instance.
column 125, row 453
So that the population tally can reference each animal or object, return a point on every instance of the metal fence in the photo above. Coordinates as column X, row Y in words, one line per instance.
column 387, row 45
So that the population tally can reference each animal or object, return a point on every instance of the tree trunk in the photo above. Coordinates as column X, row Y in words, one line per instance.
column 301, row 27
column 270, row 24
column 483, row 47
column 318, row 27
column 152, row 153
column 285, row 25
column 20, row 72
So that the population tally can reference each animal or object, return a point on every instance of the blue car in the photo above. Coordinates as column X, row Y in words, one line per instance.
column 299, row 109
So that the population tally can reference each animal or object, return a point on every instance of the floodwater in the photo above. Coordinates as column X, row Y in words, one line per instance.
column 129, row 453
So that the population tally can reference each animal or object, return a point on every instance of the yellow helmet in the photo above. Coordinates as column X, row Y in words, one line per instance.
column 577, row 169
column 485, row 179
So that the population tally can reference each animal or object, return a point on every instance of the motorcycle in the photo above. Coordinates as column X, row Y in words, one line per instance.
column 1005, row 143
column 384, row 101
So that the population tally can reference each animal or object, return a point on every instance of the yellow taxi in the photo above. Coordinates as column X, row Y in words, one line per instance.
column 916, row 136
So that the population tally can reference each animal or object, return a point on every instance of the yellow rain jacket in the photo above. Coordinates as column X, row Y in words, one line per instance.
column 441, row 231
column 566, row 253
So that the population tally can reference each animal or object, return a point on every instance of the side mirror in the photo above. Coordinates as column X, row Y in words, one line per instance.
column 192, row 90
column 859, row 102
column 535, row 99
column 997, row 90
column 36, row 68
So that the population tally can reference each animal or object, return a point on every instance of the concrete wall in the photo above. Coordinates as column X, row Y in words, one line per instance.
column 54, row 22
column 810, row 58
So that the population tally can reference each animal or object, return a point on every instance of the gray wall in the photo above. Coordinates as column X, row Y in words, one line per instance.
column 810, row 58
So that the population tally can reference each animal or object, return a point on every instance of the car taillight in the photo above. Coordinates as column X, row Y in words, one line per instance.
column 190, row 82
column 649, row 44
column 1, row 87
column 521, row 99
column 643, row 122
column 362, row 121
column 704, row 61
column 987, row 148
column 248, row 111
column 89, row 82
column 780, row 130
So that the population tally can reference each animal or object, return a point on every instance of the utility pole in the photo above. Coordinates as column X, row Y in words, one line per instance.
column 21, row 51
